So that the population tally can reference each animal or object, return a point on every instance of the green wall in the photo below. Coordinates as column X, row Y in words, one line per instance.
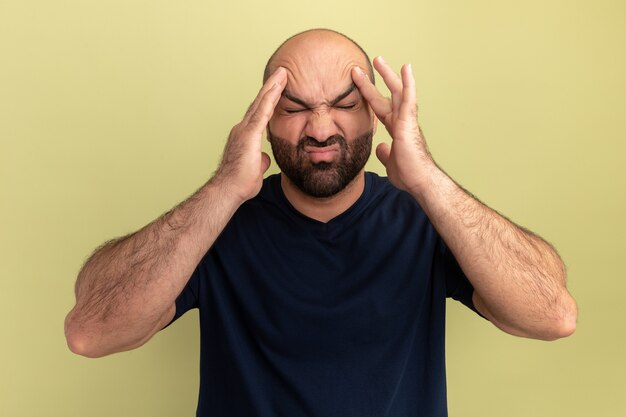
column 111, row 112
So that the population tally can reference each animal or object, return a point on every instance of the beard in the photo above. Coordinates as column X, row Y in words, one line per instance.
column 321, row 179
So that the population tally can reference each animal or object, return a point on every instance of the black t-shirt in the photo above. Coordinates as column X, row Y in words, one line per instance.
column 345, row 318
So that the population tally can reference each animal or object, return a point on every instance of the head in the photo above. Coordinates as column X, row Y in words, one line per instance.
column 321, row 131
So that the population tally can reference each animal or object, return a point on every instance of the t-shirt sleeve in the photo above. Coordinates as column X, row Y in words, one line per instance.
column 458, row 286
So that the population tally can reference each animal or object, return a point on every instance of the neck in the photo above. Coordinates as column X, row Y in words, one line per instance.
column 323, row 209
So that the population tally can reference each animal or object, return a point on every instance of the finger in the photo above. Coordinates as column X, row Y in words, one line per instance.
column 392, row 81
column 265, row 109
column 279, row 76
column 408, row 106
column 265, row 162
column 379, row 103
column 382, row 153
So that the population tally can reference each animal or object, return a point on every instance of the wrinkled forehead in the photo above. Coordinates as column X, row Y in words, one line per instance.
column 318, row 69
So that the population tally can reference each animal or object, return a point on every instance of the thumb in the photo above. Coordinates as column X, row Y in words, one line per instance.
column 265, row 161
column 382, row 152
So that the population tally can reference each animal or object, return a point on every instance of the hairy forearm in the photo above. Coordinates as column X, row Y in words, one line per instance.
column 127, row 290
column 129, row 284
column 519, row 279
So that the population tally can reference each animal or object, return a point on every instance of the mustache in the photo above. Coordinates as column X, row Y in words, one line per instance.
column 312, row 142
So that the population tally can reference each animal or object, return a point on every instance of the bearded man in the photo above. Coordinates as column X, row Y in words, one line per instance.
column 322, row 289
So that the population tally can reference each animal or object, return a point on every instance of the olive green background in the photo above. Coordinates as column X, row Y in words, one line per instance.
column 111, row 112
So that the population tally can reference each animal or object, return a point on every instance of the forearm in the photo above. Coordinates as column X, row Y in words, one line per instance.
column 127, row 290
column 127, row 286
column 519, row 279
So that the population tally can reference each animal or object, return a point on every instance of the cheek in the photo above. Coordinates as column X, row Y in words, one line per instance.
column 354, row 124
column 287, row 127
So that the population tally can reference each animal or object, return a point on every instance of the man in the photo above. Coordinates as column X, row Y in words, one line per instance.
column 322, row 290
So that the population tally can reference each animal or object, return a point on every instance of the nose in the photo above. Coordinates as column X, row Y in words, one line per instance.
column 320, row 125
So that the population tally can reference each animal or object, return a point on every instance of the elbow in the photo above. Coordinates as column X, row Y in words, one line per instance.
column 570, row 319
column 560, row 330
column 95, row 341
column 80, row 346
column 78, row 339
column 565, row 324
column 569, row 313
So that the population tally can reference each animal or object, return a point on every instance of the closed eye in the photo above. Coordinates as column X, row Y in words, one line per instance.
column 345, row 107
column 292, row 111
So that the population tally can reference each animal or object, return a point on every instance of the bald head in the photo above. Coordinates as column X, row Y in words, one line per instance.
column 318, row 47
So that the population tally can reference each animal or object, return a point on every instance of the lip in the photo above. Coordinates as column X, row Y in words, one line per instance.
column 324, row 154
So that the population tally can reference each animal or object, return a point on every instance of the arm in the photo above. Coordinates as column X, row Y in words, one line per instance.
column 518, row 278
column 126, row 291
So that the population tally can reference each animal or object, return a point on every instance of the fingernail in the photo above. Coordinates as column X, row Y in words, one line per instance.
column 410, row 68
column 359, row 71
column 381, row 59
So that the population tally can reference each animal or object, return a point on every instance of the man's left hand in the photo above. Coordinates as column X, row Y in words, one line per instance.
column 407, row 159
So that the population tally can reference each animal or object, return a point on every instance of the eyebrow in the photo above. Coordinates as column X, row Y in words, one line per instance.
column 336, row 100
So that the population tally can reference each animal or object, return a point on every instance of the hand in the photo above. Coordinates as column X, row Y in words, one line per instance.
column 407, row 158
column 243, row 163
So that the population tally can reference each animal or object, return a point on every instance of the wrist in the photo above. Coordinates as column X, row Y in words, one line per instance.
column 434, row 190
column 426, row 179
column 218, row 191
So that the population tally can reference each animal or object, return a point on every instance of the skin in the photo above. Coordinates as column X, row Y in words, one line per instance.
column 518, row 278
column 320, row 101
column 126, row 291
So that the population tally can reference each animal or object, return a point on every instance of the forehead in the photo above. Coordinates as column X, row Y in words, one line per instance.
column 318, row 66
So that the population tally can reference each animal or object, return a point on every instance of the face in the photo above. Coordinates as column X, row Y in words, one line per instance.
column 321, row 131
column 322, row 169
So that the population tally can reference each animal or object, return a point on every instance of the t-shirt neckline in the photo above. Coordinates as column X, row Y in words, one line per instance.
column 340, row 219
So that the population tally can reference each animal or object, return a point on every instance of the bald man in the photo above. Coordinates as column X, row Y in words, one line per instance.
column 322, row 289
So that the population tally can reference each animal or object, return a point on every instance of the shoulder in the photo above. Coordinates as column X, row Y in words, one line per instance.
column 386, row 196
column 269, row 195
column 269, row 205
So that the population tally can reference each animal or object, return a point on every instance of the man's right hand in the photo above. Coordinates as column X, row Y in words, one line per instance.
column 243, row 163
column 126, row 291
